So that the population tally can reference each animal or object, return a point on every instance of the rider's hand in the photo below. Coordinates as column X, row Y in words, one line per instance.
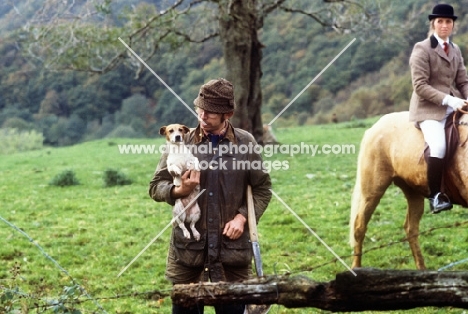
column 454, row 102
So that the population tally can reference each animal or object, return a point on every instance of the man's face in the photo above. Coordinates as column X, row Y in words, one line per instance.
column 211, row 121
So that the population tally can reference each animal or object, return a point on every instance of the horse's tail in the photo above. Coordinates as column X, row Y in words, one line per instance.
column 356, row 199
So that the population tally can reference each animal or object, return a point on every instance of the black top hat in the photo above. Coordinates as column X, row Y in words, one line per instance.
column 442, row 10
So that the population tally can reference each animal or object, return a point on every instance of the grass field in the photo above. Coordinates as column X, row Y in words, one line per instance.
column 93, row 231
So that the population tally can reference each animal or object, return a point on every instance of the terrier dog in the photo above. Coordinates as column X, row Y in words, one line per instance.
column 179, row 160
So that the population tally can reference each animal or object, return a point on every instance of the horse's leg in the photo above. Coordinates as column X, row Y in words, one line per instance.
column 366, row 209
column 413, row 217
column 368, row 191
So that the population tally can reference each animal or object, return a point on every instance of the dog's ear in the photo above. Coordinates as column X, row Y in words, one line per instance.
column 186, row 129
column 162, row 130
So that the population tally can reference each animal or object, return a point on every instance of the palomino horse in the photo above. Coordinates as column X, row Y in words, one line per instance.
column 392, row 152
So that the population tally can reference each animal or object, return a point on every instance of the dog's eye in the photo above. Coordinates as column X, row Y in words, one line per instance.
column 171, row 131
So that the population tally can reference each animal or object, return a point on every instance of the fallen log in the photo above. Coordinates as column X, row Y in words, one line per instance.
column 371, row 289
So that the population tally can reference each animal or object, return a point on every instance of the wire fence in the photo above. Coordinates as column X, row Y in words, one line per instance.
column 75, row 295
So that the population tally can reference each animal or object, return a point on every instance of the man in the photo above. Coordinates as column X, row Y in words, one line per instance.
column 223, row 252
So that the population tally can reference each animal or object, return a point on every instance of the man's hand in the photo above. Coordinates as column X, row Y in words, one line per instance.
column 190, row 179
column 234, row 228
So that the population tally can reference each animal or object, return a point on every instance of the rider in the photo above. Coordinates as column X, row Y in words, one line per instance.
column 440, row 86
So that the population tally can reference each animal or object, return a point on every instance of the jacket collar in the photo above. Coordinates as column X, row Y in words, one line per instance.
column 435, row 42
column 199, row 135
column 440, row 51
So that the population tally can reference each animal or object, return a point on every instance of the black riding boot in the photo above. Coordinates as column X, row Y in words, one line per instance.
column 438, row 201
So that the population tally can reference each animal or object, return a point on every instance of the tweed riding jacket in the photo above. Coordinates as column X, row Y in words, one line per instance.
column 434, row 75
column 223, row 199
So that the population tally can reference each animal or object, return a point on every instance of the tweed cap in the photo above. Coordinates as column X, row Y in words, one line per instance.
column 216, row 96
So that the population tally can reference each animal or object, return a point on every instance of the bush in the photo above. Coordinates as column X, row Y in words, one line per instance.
column 321, row 118
column 102, row 130
column 302, row 118
column 13, row 300
column 66, row 131
column 16, row 123
column 12, row 141
column 66, row 178
column 124, row 131
column 113, row 177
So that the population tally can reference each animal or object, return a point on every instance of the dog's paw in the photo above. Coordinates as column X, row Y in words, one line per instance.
column 174, row 170
column 177, row 181
column 194, row 164
column 196, row 234
column 187, row 234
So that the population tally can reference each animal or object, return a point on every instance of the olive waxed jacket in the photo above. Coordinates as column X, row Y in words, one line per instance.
column 232, row 169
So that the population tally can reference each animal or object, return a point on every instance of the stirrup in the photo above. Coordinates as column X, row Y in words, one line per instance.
column 439, row 203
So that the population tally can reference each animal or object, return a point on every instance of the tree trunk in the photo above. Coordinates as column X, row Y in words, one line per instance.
column 371, row 289
column 242, row 56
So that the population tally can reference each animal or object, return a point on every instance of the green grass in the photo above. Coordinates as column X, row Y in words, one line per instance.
column 94, row 231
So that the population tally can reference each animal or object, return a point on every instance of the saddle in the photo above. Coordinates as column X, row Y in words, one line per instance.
column 452, row 139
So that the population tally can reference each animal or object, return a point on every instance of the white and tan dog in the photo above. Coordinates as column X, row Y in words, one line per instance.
column 179, row 160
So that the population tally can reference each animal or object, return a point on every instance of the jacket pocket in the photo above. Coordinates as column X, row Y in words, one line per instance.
column 188, row 252
column 237, row 253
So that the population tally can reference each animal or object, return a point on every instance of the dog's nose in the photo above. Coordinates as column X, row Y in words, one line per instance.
column 178, row 138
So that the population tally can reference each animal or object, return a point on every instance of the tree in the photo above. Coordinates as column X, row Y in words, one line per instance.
column 84, row 101
column 84, row 38
column 135, row 112
column 51, row 104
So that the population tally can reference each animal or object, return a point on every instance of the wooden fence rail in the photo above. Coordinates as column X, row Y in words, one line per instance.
column 371, row 289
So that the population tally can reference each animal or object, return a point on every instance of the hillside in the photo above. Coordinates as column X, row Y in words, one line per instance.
column 370, row 78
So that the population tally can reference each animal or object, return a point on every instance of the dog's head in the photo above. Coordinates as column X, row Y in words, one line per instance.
column 174, row 132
